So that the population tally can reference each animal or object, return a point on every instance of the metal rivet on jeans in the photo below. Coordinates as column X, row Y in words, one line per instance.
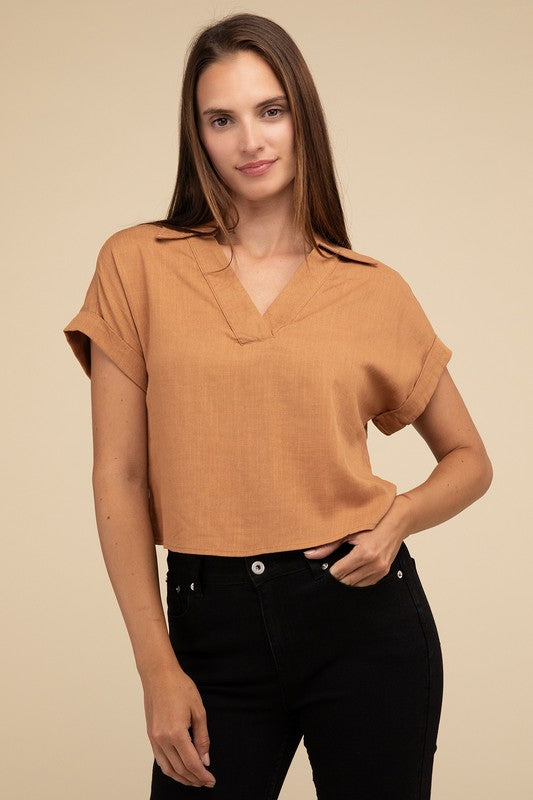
column 400, row 573
column 192, row 586
column 324, row 565
column 178, row 588
column 258, row 567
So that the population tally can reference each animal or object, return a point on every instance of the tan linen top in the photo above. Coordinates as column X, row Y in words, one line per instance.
column 257, row 424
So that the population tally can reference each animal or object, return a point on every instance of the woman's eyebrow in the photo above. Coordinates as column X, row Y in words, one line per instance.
column 270, row 100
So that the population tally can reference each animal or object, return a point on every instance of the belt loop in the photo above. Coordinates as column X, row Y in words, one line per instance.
column 195, row 572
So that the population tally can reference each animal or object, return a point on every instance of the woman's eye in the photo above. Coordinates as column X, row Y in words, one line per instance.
column 277, row 113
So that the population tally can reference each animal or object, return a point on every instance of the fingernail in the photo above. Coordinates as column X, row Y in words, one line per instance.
column 205, row 759
column 311, row 550
column 209, row 785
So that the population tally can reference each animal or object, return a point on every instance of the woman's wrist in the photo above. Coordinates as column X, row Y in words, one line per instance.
column 157, row 668
column 399, row 517
column 155, row 657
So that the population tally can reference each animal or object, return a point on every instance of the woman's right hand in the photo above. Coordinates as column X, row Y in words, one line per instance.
column 172, row 706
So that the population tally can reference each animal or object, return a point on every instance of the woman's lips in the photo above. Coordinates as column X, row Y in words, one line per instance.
column 260, row 170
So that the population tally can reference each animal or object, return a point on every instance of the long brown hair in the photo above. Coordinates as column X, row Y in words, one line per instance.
column 200, row 197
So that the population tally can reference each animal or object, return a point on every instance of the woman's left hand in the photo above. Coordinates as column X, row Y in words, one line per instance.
column 373, row 553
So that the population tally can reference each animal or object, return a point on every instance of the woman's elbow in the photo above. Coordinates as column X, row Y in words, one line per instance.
column 485, row 471
column 119, row 474
column 488, row 473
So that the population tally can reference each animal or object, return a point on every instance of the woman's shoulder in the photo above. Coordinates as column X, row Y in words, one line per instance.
column 144, row 234
column 383, row 275
column 133, row 251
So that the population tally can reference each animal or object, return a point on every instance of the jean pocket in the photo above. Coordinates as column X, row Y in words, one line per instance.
column 392, row 575
column 395, row 573
column 178, row 595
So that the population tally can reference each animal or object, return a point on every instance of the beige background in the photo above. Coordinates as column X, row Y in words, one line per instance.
column 431, row 116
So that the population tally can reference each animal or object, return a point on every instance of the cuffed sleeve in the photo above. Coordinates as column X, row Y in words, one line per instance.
column 106, row 316
column 413, row 359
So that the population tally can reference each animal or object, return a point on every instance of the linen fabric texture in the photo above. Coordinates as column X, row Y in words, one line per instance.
column 257, row 424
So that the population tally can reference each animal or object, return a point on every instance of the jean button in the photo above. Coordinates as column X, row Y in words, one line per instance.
column 258, row 567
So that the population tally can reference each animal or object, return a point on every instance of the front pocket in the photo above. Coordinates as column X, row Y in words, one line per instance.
column 393, row 574
column 178, row 595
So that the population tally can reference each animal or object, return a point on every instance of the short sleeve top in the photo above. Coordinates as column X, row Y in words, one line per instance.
column 257, row 423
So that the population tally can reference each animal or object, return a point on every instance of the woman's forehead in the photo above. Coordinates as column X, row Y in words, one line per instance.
column 243, row 77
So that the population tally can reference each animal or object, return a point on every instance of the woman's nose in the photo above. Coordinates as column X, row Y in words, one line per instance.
column 251, row 137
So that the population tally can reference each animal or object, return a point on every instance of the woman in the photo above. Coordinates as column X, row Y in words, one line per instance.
column 237, row 350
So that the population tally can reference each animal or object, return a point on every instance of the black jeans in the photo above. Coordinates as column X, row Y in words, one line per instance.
column 279, row 649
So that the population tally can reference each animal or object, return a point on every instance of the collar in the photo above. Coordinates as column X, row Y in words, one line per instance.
column 343, row 252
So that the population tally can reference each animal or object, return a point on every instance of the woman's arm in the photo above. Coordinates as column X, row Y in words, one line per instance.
column 120, row 486
column 464, row 471
column 463, row 474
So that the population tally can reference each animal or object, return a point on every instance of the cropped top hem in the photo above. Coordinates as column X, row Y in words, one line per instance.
column 303, row 543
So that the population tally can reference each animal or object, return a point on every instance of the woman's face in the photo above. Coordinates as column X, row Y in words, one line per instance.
column 237, row 126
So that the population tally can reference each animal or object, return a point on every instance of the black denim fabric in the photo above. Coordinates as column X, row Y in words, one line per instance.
column 279, row 649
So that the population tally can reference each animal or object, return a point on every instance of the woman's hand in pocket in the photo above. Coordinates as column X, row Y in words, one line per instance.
column 370, row 559
column 172, row 706
column 374, row 549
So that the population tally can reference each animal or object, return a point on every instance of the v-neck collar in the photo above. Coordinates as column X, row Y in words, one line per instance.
column 241, row 313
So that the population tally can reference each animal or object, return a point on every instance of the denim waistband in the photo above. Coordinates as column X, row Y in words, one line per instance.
column 234, row 569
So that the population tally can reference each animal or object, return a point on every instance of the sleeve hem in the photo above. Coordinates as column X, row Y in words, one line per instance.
column 391, row 421
column 86, row 326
